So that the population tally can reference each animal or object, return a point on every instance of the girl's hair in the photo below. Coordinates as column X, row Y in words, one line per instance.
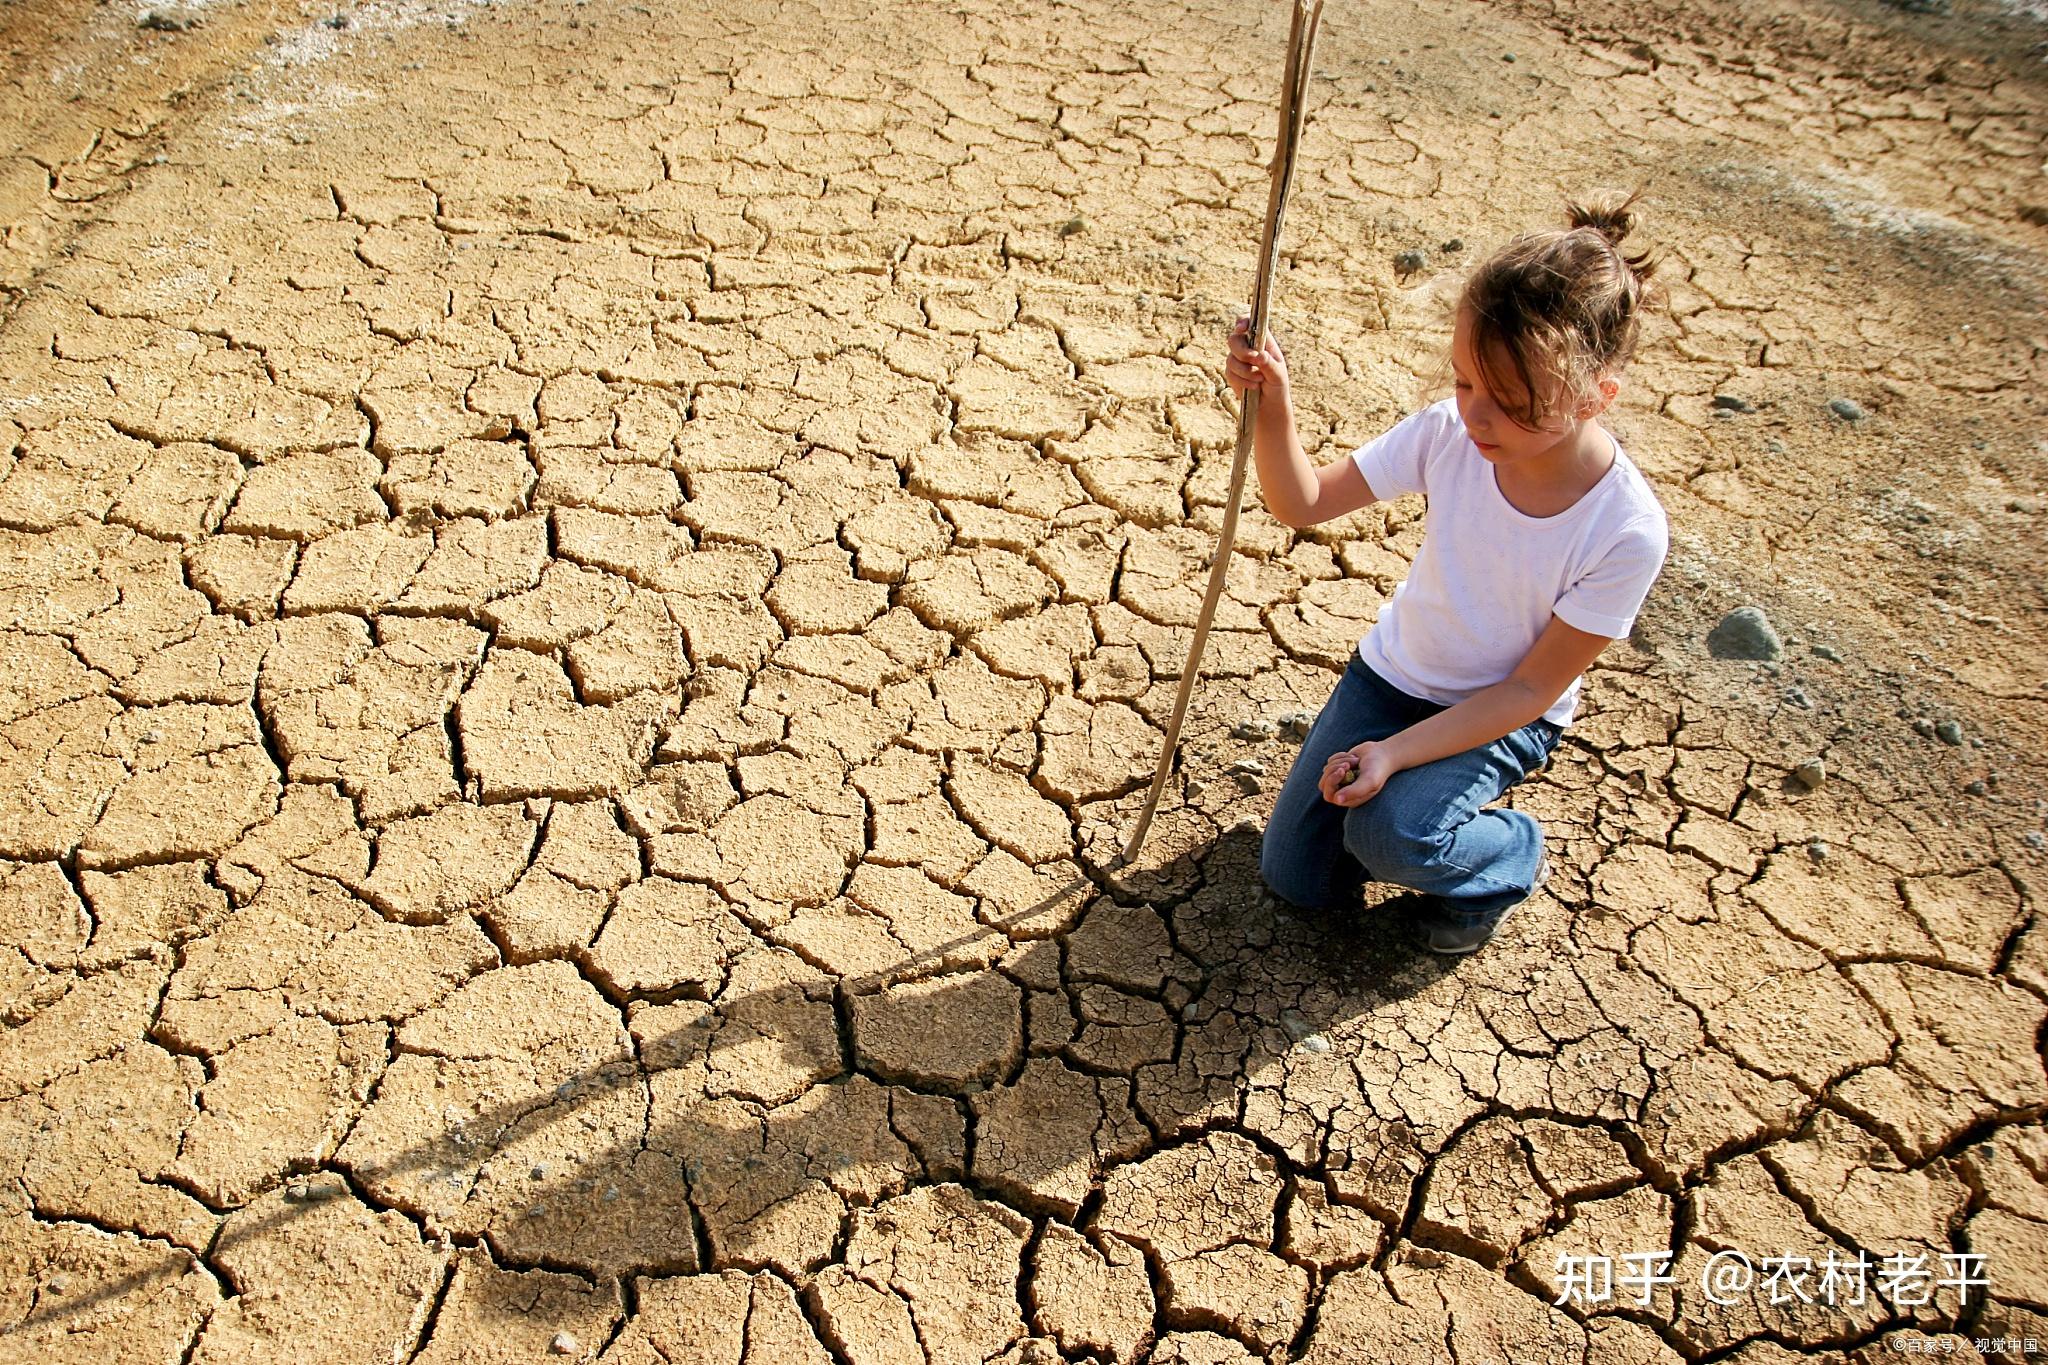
column 1561, row 307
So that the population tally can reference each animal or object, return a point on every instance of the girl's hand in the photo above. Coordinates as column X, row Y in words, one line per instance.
column 1354, row 776
column 1246, row 369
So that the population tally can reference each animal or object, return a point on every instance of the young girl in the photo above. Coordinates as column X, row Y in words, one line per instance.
column 1540, row 543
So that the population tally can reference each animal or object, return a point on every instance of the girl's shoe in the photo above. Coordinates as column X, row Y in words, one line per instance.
column 1455, row 939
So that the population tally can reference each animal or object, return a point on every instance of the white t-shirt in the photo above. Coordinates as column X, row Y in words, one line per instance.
column 1489, row 577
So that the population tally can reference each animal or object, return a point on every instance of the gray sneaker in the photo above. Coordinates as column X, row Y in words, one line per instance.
column 1455, row 939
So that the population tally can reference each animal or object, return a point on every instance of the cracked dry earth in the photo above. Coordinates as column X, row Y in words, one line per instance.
column 589, row 590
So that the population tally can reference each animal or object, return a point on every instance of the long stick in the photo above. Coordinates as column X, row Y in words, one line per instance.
column 1301, row 41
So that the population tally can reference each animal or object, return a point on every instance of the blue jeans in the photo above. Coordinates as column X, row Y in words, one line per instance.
column 1424, row 830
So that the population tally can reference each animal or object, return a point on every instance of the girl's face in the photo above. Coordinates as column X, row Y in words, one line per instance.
column 1499, row 437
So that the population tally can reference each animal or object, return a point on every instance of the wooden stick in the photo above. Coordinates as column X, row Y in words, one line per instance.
column 1301, row 41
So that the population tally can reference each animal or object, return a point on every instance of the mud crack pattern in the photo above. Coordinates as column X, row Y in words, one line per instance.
column 589, row 590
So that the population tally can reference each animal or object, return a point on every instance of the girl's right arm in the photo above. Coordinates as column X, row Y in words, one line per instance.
column 1296, row 492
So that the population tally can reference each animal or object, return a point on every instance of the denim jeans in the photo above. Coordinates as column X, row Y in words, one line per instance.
column 1424, row 829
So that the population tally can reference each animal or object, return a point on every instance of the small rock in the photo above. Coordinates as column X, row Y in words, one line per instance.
column 2036, row 840
column 1744, row 633
column 562, row 1344
column 1811, row 773
column 336, row 21
column 1188, row 1011
column 1826, row 652
column 167, row 21
column 58, row 1284
column 1247, row 824
column 1796, row 696
column 1924, row 728
column 1073, row 225
column 295, row 1193
column 1976, row 787
column 1949, row 732
column 1195, row 787
column 1453, row 247
column 1728, row 402
column 539, row 1172
column 1258, row 730
column 1817, row 850
column 1848, row 409
column 1315, row 1042
column 1408, row 262
column 1248, row 767
column 1296, row 724
column 1295, row 1025
column 1507, row 56
column 1252, row 786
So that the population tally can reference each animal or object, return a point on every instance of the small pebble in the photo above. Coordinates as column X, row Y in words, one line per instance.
column 58, row 1284
column 1258, row 730
column 1811, row 773
column 1188, row 1011
column 1817, row 850
column 1073, row 225
column 2036, row 840
column 1315, row 1042
column 1826, row 652
column 1848, row 409
column 1728, row 402
column 1797, row 697
column 1976, row 787
column 1295, row 1024
column 1452, row 247
column 1408, row 262
column 1248, row 767
column 1744, row 633
column 1296, row 724
column 1949, row 732
column 1507, row 56
column 1924, row 728
column 1195, row 787
column 562, row 1344
column 338, row 21
column 539, row 1172
column 166, row 21
column 1247, row 824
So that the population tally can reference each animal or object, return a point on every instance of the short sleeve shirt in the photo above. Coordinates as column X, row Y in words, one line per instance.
column 1489, row 576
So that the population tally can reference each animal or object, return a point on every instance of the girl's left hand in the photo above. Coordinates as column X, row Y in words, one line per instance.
column 1354, row 776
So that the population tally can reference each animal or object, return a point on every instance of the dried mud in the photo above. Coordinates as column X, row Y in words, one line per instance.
column 589, row 589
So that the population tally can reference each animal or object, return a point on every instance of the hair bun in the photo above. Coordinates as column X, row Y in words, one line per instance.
column 1607, row 213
